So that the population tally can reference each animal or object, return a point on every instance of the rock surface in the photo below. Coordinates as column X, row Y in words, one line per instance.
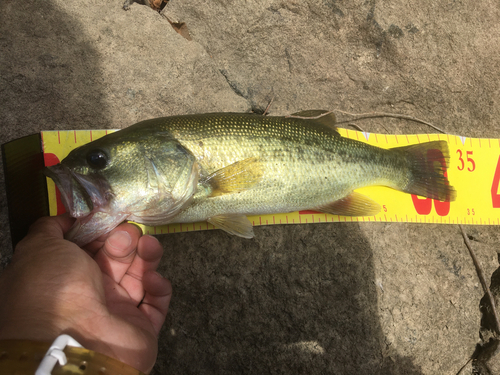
column 328, row 298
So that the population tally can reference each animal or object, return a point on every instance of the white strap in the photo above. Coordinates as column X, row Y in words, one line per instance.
column 55, row 354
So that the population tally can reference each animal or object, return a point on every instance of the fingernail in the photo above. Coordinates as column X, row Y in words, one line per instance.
column 120, row 239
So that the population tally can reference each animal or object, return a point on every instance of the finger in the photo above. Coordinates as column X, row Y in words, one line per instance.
column 98, row 243
column 149, row 252
column 45, row 228
column 155, row 303
column 52, row 226
column 118, row 252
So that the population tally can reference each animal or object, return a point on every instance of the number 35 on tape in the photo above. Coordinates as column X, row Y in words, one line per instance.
column 474, row 171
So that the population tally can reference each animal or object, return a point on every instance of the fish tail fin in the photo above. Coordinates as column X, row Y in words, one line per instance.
column 428, row 163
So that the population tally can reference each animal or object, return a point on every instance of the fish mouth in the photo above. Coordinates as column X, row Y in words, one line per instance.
column 81, row 195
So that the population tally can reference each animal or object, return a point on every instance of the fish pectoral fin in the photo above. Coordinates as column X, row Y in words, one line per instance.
column 326, row 118
column 235, row 224
column 236, row 177
column 354, row 204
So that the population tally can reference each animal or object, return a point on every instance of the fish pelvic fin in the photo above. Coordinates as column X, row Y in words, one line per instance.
column 428, row 163
column 355, row 204
column 235, row 224
column 235, row 177
column 325, row 118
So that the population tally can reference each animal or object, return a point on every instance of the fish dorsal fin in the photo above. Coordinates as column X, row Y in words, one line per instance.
column 326, row 118
column 235, row 224
column 235, row 177
column 354, row 204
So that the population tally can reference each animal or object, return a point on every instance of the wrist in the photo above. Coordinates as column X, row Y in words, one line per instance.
column 26, row 356
column 44, row 326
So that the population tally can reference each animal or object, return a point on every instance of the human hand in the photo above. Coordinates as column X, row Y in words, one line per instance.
column 107, row 297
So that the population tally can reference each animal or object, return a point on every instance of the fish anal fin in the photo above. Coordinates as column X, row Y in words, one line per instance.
column 235, row 224
column 326, row 118
column 235, row 177
column 354, row 204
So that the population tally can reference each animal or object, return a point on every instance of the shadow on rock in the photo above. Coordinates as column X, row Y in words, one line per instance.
column 50, row 78
column 50, row 71
column 296, row 299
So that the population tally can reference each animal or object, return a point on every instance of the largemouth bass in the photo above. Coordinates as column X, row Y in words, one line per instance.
column 220, row 167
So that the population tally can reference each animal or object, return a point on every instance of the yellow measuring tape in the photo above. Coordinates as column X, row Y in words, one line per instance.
column 474, row 171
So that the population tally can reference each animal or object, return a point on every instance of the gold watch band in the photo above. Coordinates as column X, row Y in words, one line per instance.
column 22, row 357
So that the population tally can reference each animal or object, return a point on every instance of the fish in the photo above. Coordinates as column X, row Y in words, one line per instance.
column 221, row 167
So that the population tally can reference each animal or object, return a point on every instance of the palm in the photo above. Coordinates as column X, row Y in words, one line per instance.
column 109, row 299
column 135, row 298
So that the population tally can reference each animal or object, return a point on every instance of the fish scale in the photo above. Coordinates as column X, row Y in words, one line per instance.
column 297, row 153
column 220, row 167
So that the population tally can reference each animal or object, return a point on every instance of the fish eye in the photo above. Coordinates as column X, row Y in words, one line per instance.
column 97, row 159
